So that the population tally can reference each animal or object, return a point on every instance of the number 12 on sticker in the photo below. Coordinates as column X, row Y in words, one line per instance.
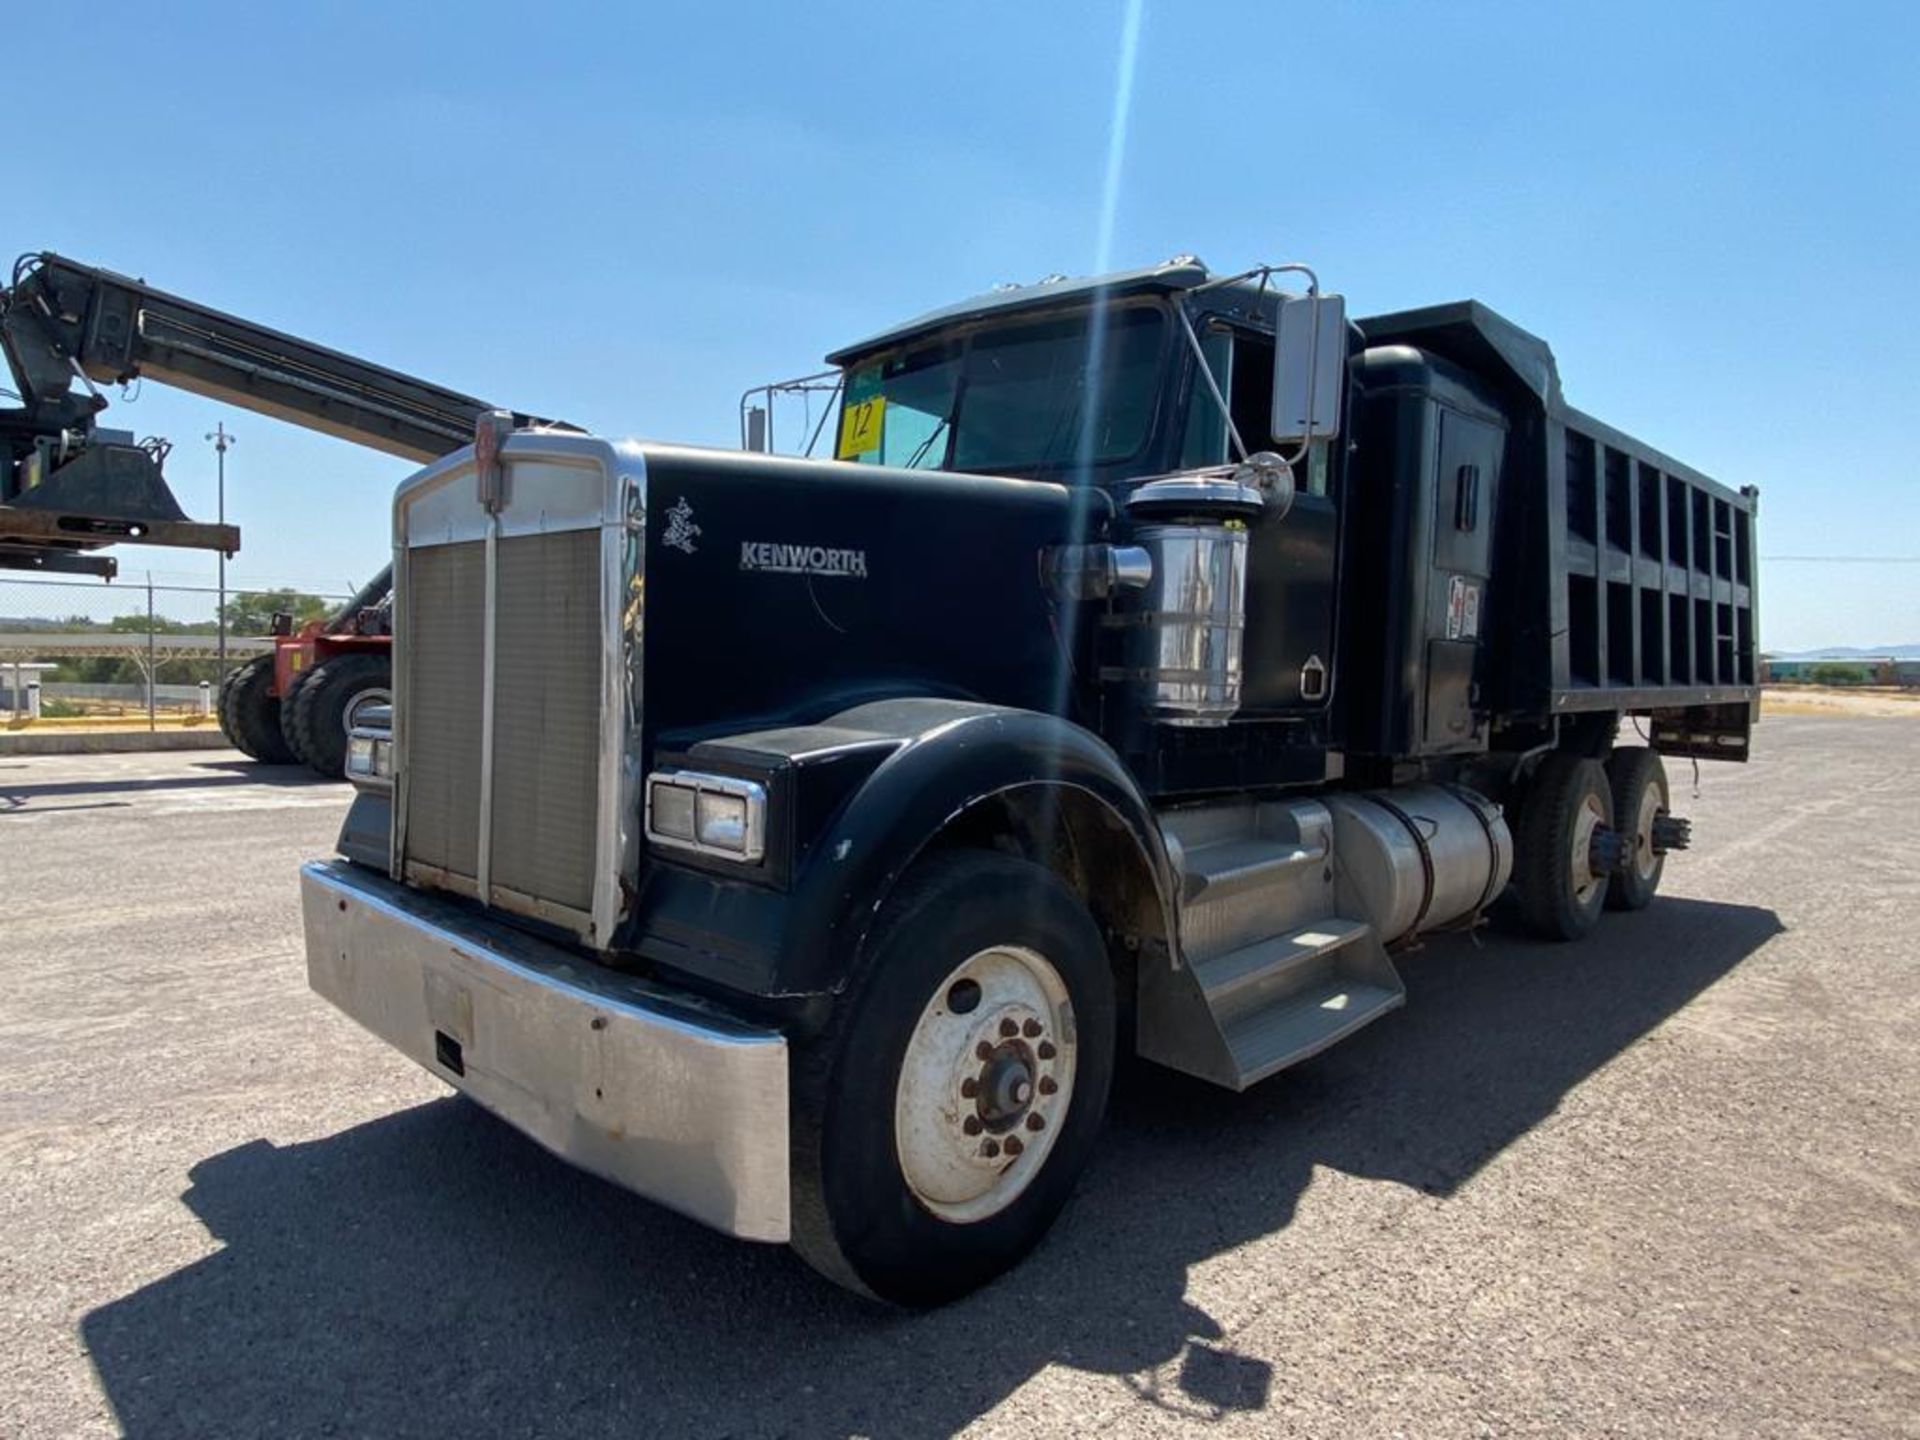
column 860, row 427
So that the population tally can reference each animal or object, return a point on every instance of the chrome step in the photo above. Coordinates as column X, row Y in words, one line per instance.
column 1284, row 1034
column 1266, row 971
column 1231, row 867
column 1249, row 872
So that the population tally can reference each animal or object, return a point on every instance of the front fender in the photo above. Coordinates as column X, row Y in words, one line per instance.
column 927, row 763
column 952, row 755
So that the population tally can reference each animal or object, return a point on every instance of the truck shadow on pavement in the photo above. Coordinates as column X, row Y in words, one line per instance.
column 434, row 1273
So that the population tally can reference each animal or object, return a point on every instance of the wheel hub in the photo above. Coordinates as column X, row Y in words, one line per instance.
column 1005, row 1087
column 985, row 1083
column 1669, row 832
column 359, row 704
column 1596, row 849
column 1606, row 851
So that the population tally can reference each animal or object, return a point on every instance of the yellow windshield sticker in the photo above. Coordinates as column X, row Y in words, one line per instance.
column 860, row 427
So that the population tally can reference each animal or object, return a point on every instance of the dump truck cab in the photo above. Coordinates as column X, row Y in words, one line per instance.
column 1104, row 384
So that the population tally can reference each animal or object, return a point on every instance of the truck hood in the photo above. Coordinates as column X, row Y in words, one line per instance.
column 780, row 591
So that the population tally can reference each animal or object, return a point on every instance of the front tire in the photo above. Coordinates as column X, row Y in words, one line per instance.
column 943, row 1117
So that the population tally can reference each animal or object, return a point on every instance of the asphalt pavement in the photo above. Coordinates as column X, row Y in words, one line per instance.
column 1663, row 1182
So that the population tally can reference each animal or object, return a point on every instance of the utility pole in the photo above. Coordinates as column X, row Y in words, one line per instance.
column 221, row 440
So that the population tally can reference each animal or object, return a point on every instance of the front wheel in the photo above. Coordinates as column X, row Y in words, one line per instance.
column 942, row 1119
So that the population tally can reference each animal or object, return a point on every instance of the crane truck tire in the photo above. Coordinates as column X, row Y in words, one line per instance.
column 941, row 1119
column 1640, row 797
column 329, row 703
column 250, row 712
column 1562, row 852
column 223, row 711
column 289, row 704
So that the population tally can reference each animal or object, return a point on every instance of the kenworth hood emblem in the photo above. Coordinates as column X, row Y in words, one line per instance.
column 803, row 559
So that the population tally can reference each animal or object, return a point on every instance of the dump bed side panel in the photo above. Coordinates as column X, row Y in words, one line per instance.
column 1656, row 569
column 1626, row 580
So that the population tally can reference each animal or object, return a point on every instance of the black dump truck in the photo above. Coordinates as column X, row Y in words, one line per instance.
column 801, row 842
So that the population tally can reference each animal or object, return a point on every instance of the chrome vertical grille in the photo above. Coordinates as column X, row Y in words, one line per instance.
column 516, row 668
column 444, row 622
column 546, row 718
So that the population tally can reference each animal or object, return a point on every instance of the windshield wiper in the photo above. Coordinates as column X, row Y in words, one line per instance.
column 920, row 450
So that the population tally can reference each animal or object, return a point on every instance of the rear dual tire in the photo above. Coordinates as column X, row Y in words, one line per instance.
column 1561, row 893
column 1568, row 801
column 1638, row 781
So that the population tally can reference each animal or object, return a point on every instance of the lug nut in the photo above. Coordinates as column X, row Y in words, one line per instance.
column 983, row 1051
column 1008, row 1029
column 1036, row 1122
column 1048, row 1084
column 971, row 1124
column 1046, row 1050
column 991, row 1149
column 969, row 1087
column 1014, row 1146
column 1031, row 1029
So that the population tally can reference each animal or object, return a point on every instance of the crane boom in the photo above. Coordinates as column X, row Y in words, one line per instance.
column 69, row 486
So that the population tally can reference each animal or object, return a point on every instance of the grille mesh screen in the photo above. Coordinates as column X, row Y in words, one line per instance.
column 546, row 717
column 445, row 612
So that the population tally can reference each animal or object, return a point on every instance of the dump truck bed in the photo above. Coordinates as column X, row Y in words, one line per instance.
column 1630, row 578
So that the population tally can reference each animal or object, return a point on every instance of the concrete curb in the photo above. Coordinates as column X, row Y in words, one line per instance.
column 109, row 742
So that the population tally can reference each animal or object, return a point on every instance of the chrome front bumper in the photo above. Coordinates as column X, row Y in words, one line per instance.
column 648, row 1089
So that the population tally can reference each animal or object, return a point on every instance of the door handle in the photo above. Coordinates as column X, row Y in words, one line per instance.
column 1313, row 679
column 1466, row 498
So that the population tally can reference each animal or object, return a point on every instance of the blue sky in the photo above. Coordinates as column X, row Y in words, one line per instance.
column 626, row 217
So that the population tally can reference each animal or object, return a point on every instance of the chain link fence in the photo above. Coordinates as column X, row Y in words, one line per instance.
column 79, row 652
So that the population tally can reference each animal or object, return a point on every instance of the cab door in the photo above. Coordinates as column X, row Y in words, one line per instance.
column 1288, row 654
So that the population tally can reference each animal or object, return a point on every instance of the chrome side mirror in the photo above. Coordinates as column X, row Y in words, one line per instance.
column 1309, row 367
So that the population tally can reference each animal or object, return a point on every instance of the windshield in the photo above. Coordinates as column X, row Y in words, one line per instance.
column 1009, row 398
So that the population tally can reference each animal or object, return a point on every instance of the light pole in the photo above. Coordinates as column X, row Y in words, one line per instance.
column 221, row 440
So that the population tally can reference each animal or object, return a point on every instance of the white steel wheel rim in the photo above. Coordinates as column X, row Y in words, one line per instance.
column 1645, row 863
column 1587, row 821
column 360, row 703
column 985, row 1084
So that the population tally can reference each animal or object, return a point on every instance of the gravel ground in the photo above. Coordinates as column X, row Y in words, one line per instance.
column 1666, row 1182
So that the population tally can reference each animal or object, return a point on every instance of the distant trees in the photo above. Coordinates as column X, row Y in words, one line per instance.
column 251, row 612
column 1839, row 672
column 247, row 612
column 139, row 624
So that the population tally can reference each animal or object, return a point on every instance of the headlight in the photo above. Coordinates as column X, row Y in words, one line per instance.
column 370, row 758
column 718, row 815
